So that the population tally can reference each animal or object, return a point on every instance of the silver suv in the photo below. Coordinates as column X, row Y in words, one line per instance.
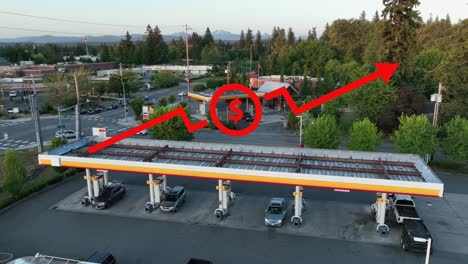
column 173, row 199
column 276, row 212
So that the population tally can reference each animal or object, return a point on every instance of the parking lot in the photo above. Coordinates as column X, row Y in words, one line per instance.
column 322, row 219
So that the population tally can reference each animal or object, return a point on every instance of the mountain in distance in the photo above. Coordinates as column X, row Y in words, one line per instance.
column 217, row 35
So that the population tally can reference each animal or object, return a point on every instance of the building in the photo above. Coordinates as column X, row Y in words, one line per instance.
column 277, row 103
column 195, row 70
column 296, row 81
column 4, row 62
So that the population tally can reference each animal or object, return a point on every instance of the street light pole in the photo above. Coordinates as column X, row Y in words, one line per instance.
column 124, row 98
column 77, row 109
column 300, row 129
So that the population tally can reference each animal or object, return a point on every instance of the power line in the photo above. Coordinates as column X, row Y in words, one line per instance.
column 47, row 31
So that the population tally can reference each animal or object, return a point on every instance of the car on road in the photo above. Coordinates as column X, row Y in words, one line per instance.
column 247, row 117
column 91, row 111
column 173, row 199
column 83, row 112
column 403, row 207
column 13, row 94
column 146, row 98
column 66, row 133
column 415, row 236
column 101, row 258
column 183, row 93
column 143, row 132
column 112, row 106
column 10, row 110
column 110, row 194
column 276, row 212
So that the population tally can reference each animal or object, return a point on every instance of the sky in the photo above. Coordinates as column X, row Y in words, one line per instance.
column 170, row 16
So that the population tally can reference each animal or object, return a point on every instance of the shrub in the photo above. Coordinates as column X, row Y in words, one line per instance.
column 455, row 144
column 162, row 101
column 171, row 99
column 165, row 79
column 415, row 135
column 199, row 87
column 212, row 83
column 14, row 174
column 322, row 133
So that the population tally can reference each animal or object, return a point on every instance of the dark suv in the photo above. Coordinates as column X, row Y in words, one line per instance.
column 101, row 258
column 110, row 194
column 173, row 199
column 415, row 235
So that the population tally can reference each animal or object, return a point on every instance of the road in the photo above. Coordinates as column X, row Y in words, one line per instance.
column 21, row 133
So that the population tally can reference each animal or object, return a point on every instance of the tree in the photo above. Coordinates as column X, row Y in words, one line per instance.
column 171, row 99
column 162, row 101
column 364, row 136
column 425, row 64
column 130, row 80
column 155, row 50
column 258, row 45
column 165, row 79
column 199, row 87
column 126, row 48
column 455, row 144
column 137, row 105
column 291, row 37
column 241, row 40
column 312, row 34
column 14, row 174
column 248, row 38
column 326, row 33
column 322, row 133
column 401, row 21
column 173, row 129
column 208, row 39
column 415, row 135
column 374, row 99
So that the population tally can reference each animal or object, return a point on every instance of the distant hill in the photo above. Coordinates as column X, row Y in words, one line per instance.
column 217, row 35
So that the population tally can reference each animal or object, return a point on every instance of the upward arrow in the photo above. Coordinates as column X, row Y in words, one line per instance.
column 384, row 71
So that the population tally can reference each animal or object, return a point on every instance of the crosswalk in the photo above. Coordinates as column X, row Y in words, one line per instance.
column 14, row 143
column 8, row 124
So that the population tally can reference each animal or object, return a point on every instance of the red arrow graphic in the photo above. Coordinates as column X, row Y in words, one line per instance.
column 384, row 71
column 153, row 122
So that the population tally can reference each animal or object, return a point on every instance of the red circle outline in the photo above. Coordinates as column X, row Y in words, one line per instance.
column 255, row 100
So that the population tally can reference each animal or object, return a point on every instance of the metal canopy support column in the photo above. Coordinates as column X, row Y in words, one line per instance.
column 297, row 219
column 224, row 194
column 106, row 177
column 85, row 201
column 155, row 192
column 382, row 202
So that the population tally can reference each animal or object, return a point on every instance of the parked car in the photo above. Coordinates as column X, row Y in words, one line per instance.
column 110, row 194
column 183, row 93
column 83, row 112
column 247, row 117
column 173, row 199
column 91, row 111
column 66, row 133
column 143, row 132
column 146, row 98
column 10, row 110
column 403, row 207
column 276, row 212
column 101, row 258
column 13, row 94
column 98, row 109
column 415, row 236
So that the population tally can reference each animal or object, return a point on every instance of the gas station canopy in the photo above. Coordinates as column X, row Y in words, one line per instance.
column 334, row 169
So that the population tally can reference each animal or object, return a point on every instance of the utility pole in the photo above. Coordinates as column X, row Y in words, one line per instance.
column 228, row 72
column 77, row 109
column 37, row 125
column 33, row 84
column 86, row 44
column 438, row 100
column 187, row 58
column 250, row 68
column 123, row 87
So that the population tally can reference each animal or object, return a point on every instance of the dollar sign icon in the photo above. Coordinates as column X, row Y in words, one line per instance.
column 234, row 106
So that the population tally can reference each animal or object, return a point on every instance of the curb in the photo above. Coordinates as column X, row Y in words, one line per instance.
column 35, row 194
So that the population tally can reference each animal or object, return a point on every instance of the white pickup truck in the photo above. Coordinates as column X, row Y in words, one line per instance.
column 403, row 207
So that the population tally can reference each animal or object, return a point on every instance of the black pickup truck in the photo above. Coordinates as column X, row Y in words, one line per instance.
column 415, row 236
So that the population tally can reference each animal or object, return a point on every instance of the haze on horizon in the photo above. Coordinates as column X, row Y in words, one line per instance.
column 170, row 16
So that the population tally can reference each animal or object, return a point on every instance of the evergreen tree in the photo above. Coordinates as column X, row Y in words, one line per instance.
column 258, row 45
column 401, row 22
column 376, row 17
column 326, row 33
column 160, row 47
column 248, row 38
column 208, row 39
column 291, row 37
column 126, row 49
column 363, row 15
column 312, row 34
column 241, row 44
